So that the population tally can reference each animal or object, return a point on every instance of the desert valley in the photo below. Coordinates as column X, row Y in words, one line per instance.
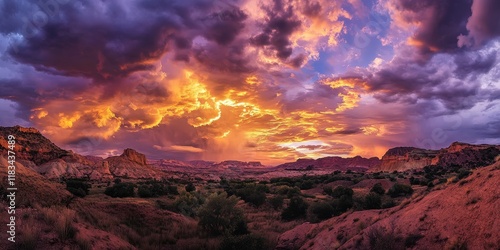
column 250, row 124
column 410, row 199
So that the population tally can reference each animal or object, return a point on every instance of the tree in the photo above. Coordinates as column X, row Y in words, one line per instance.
column 296, row 209
column 373, row 201
column 190, row 187
column 188, row 203
column 276, row 201
column 400, row 190
column 253, row 194
column 341, row 191
column 219, row 215
column 378, row 189
column 78, row 187
column 320, row 211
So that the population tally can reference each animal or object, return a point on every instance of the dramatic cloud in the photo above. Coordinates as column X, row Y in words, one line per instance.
column 271, row 81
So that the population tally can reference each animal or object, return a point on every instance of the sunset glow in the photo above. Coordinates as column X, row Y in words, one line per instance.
column 269, row 81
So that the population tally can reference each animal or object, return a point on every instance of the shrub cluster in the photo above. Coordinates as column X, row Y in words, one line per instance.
column 296, row 209
column 156, row 189
column 398, row 190
column 219, row 215
column 122, row 189
column 78, row 187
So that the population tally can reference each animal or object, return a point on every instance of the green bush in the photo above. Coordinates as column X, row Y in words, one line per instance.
column 190, row 187
column 341, row 191
column 219, row 215
column 398, row 190
column 152, row 189
column 388, row 204
column 462, row 173
column 373, row 201
column 305, row 185
column 328, row 190
column 78, row 187
column 378, row 189
column 188, row 203
column 276, row 202
column 122, row 189
column 342, row 204
column 320, row 211
column 296, row 209
column 244, row 242
column 254, row 194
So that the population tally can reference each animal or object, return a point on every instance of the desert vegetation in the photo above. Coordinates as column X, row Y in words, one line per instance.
column 229, row 214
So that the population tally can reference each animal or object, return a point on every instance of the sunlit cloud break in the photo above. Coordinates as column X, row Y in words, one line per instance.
column 252, row 80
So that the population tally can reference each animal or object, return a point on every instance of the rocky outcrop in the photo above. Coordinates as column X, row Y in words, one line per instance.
column 134, row 156
column 34, row 188
column 405, row 158
column 132, row 164
column 30, row 145
column 457, row 154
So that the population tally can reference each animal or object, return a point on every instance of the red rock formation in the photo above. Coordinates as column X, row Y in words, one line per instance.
column 134, row 156
column 463, row 154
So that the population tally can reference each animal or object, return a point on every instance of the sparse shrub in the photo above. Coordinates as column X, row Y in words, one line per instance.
column 430, row 184
column 377, row 188
column 320, row 211
column 219, row 215
column 83, row 243
column 244, row 242
column 411, row 240
column 373, row 201
column 462, row 173
column 296, row 209
column 78, row 187
column 121, row 189
column 64, row 224
column 190, row 187
column 117, row 180
column 28, row 238
column 458, row 244
column 388, row 204
column 382, row 239
column 398, row 190
column 276, row 202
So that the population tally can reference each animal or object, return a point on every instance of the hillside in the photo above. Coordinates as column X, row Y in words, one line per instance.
column 464, row 214
column 31, row 145
column 457, row 154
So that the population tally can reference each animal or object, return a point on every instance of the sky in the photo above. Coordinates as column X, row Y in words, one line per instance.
column 269, row 81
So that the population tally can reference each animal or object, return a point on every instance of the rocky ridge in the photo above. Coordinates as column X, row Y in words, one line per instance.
column 458, row 153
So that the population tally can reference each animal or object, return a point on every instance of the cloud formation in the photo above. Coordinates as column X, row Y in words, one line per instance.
column 251, row 80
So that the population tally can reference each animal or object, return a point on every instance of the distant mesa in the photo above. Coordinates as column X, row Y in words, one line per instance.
column 356, row 163
column 134, row 156
column 40, row 154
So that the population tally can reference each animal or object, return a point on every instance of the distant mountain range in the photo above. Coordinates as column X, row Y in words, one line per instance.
column 40, row 154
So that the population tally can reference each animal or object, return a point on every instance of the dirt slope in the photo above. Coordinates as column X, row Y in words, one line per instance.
column 466, row 213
